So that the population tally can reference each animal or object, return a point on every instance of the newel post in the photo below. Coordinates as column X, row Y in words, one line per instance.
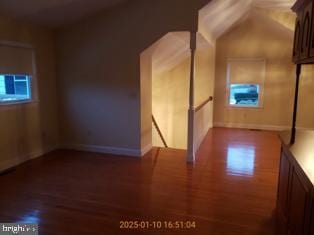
column 191, row 113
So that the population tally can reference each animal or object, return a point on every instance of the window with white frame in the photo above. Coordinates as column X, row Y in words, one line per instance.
column 15, row 88
column 16, row 69
column 245, row 82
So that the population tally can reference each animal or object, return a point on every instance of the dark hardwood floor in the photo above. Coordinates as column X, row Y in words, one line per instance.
column 231, row 189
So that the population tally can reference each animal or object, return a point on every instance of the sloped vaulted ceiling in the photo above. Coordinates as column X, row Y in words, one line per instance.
column 215, row 19
column 54, row 13
column 274, row 4
column 174, row 48
column 219, row 16
column 170, row 51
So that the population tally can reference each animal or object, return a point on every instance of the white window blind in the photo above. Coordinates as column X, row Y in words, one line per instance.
column 246, row 71
column 16, row 60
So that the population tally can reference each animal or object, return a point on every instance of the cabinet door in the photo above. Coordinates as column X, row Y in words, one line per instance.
column 306, row 31
column 283, row 192
column 312, row 218
column 312, row 35
column 297, row 39
column 283, row 183
column 298, row 206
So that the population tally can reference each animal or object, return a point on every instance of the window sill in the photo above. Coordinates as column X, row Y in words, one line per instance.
column 13, row 104
column 244, row 107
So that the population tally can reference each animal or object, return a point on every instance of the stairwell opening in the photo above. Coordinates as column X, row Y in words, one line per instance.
column 166, row 64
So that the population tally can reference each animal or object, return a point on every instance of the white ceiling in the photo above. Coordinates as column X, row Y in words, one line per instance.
column 219, row 16
column 57, row 13
column 54, row 13
column 274, row 4
column 172, row 49
column 216, row 18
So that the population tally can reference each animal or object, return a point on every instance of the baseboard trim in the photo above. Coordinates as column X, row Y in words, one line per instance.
column 146, row 149
column 251, row 126
column 258, row 127
column 105, row 149
column 304, row 129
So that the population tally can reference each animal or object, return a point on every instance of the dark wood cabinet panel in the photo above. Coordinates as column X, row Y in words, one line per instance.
column 298, row 206
column 311, row 49
column 306, row 31
column 295, row 199
column 283, row 183
column 295, row 214
column 312, row 219
column 297, row 38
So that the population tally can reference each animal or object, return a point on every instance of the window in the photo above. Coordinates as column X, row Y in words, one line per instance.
column 245, row 82
column 244, row 94
column 14, row 88
column 17, row 67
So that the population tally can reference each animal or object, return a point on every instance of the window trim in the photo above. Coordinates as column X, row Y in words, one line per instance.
column 33, row 88
column 261, row 85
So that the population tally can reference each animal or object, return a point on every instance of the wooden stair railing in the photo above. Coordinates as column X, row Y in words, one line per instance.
column 198, row 108
column 159, row 132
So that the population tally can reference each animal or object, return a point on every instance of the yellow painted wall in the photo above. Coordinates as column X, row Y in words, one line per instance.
column 204, row 73
column 259, row 36
column 171, row 98
column 29, row 130
column 204, row 87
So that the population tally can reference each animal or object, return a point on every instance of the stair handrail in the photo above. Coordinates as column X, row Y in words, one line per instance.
column 159, row 132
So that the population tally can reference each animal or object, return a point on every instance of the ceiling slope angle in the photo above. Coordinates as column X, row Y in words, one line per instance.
column 217, row 17
column 284, row 5
column 171, row 50
column 54, row 13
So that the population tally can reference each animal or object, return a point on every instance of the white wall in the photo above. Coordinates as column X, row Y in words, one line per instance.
column 99, row 73
column 170, row 99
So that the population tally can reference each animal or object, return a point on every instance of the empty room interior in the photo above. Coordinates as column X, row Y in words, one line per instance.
column 157, row 117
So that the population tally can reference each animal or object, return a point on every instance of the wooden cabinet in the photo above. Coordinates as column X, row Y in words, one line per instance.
column 311, row 49
column 303, row 47
column 294, row 199
column 297, row 36
column 312, row 219
column 306, row 31
column 298, row 205
column 282, row 196
column 283, row 183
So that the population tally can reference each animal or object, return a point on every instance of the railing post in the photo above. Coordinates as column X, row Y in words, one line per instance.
column 191, row 113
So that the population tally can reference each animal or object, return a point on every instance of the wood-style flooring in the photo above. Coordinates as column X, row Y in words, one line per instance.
column 231, row 189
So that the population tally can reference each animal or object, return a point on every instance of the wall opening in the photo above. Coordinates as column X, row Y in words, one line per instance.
column 165, row 66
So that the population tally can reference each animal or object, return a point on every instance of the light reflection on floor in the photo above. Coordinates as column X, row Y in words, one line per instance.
column 240, row 160
column 30, row 218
